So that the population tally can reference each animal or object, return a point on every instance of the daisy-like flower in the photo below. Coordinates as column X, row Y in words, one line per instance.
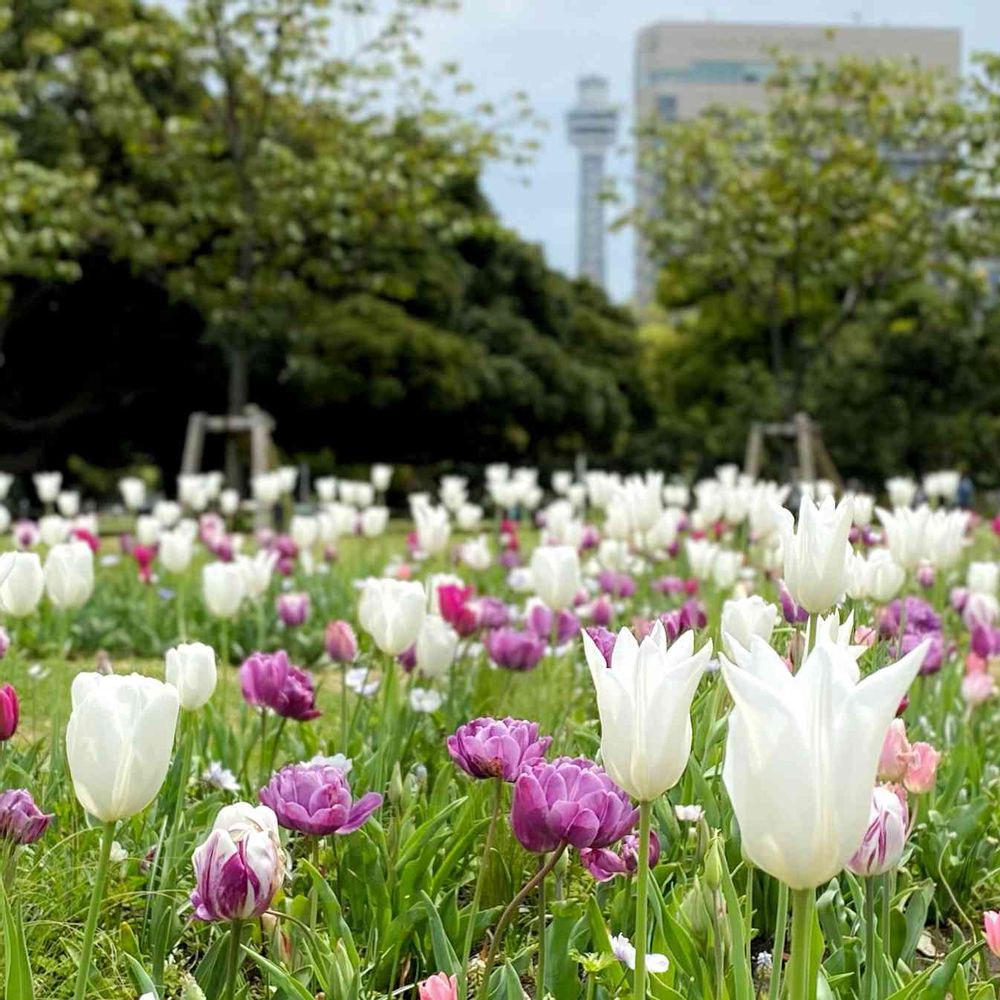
column 624, row 951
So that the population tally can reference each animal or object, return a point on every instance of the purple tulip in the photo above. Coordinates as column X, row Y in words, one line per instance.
column 514, row 650
column 985, row 641
column 315, row 798
column 491, row 612
column 21, row 821
column 920, row 617
column 540, row 619
column 616, row 584
column 693, row 615
column 269, row 680
column 497, row 748
column 293, row 609
column 10, row 712
column 341, row 642
column 604, row 863
column 569, row 801
column 668, row 585
column 603, row 640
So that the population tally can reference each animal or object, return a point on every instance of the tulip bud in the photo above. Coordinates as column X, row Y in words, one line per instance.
column 341, row 642
column 713, row 866
column 885, row 837
column 190, row 667
column 10, row 712
column 991, row 931
column 396, row 785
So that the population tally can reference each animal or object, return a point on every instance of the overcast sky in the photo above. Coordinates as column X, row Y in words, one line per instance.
column 542, row 46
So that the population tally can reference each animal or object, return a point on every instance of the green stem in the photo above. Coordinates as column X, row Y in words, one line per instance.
column 313, row 890
column 96, row 897
column 748, row 916
column 233, row 959
column 477, row 894
column 869, row 989
column 540, row 980
column 801, row 975
column 780, row 929
column 888, row 965
column 642, row 889
column 343, row 710
column 263, row 746
column 187, row 741
column 508, row 913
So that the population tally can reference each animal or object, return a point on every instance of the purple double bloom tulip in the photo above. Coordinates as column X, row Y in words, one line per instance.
column 497, row 748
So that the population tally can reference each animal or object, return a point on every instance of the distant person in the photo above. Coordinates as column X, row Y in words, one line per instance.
column 966, row 492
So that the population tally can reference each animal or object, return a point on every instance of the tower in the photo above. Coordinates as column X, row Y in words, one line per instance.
column 592, row 126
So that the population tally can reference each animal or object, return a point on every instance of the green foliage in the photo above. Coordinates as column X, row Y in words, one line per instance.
column 822, row 255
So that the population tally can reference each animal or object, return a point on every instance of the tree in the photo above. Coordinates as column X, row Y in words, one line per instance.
column 793, row 238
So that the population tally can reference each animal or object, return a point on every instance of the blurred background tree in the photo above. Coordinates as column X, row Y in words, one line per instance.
column 819, row 256
column 225, row 207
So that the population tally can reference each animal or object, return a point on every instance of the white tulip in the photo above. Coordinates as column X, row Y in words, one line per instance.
column 437, row 643
column 644, row 701
column 374, row 521
column 816, row 552
column 47, row 485
column 381, row 476
column 6, row 481
column 432, row 527
column 222, row 588
column 256, row 573
column 701, row 555
column 555, row 575
column 190, row 667
column 983, row 577
column 147, row 530
column 326, row 488
column 469, row 516
column 901, row 490
column 229, row 502
column 744, row 618
column 4, row 519
column 133, row 491
column 176, row 550
column 475, row 553
column 53, row 529
column 68, row 503
column 802, row 753
column 391, row 612
column 118, row 742
column 304, row 531
column 22, row 583
column 69, row 574
column 167, row 512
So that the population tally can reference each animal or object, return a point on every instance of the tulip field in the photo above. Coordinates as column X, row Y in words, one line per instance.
column 580, row 736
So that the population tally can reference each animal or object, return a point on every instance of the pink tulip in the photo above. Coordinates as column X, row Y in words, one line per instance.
column 991, row 931
column 978, row 688
column 438, row 987
column 896, row 753
column 922, row 769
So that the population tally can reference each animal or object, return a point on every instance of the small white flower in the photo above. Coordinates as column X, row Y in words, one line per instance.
column 357, row 681
column 689, row 814
column 220, row 777
column 110, row 559
column 425, row 700
column 624, row 951
column 118, row 853
column 37, row 672
column 341, row 762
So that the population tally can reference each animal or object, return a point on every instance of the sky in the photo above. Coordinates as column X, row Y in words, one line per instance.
column 543, row 46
